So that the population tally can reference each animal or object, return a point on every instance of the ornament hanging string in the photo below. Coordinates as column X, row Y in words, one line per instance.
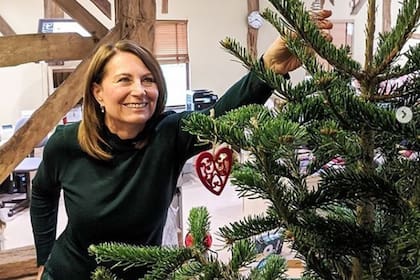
column 213, row 168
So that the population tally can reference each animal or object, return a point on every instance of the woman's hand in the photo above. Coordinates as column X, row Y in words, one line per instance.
column 40, row 271
column 279, row 59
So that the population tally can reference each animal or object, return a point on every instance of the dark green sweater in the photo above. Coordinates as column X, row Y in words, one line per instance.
column 124, row 199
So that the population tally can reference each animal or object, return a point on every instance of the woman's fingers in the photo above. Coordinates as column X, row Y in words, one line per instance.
column 324, row 24
column 324, row 14
column 321, row 20
column 327, row 36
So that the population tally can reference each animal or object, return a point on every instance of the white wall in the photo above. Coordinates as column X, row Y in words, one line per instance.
column 23, row 87
column 208, row 23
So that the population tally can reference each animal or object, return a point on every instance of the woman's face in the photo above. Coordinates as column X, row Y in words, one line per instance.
column 128, row 93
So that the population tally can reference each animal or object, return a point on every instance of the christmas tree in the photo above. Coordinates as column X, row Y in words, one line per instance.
column 361, row 218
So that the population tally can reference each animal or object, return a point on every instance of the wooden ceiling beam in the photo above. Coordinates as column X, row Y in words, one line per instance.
column 104, row 6
column 357, row 7
column 46, row 117
column 19, row 49
column 83, row 17
column 5, row 28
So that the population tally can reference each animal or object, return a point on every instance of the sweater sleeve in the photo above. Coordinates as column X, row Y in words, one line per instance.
column 44, row 200
column 248, row 90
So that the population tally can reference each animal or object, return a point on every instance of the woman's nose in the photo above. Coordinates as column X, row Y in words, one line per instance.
column 138, row 88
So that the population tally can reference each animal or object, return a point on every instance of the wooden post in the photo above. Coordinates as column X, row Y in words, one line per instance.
column 52, row 10
column 253, row 5
column 386, row 16
column 164, row 6
column 137, row 20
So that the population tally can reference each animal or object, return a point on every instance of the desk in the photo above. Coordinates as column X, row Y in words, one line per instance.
column 26, row 166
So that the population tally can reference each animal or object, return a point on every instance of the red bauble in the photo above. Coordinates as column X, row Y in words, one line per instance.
column 189, row 240
column 214, row 170
column 208, row 240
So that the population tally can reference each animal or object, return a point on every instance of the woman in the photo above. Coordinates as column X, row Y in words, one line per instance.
column 119, row 166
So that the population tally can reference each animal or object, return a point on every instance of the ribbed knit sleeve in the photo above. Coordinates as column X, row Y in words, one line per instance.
column 44, row 198
column 248, row 90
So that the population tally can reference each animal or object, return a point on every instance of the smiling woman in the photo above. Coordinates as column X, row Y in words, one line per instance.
column 118, row 167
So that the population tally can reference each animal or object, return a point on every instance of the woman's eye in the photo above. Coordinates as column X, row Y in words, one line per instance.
column 148, row 81
column 124, row 79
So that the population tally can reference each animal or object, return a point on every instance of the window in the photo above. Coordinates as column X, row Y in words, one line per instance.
column 176, row 82
column 171, row 50
column 342, row 33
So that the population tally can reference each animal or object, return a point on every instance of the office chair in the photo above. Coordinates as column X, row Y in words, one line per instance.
column 21, row 176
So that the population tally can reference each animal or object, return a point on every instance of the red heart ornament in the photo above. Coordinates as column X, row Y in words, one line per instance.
column 214, row 170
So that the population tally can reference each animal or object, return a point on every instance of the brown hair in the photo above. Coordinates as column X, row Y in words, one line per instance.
column 92, row 123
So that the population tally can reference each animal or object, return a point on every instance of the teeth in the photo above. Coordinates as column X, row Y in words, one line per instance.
column 136, row 105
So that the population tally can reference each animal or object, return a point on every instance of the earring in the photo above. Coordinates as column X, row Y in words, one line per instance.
column 102, row 109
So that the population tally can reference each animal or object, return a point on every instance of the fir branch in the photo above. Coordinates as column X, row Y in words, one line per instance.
column 302, row 91
column 403, row 255
column 409, row 68
column 102, row 273
column 277, row 82
column 393, row 42
column 282, row 26
column 164, row 267
column 412, row 56
column 337, row 86
column 331, row 238
column 406, row 176
column 248, row 227
column 304, row 54
column 243, row 253
column 127, row 256
column 274, row 269
column 352, row 186
column 366, row 114
column 328, row 142
column 279, row 133
column 320, row 265
column 295, row 15
column 307, row 111
column 188, row 270
column 399, row 92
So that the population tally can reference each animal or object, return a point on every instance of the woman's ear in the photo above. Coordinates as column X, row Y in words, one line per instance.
column 97, row 92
